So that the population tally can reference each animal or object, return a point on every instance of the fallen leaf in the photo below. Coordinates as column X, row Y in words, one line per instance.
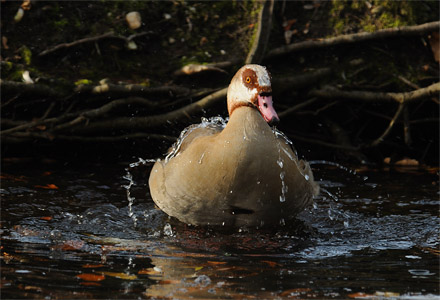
column 294, row 292
column 271, row 263
column 33, row 288
column 5, row 42
column 198, row 268
column 48, row 186
column 407, row 162
column 217, row 262
column 89, row 283
column 72, row 245
column 26, row 5
column 169, row 282
column 12, row 177
column 289, row 23
column 149, row 271
column 121, row 275
column 91, row 266
column 48, row 218
column 47, row 173
column 91, row 277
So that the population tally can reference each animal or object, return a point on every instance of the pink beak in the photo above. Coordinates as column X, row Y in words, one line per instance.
column 266, row 109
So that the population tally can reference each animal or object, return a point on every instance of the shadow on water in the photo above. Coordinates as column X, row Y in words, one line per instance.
column 68, row 232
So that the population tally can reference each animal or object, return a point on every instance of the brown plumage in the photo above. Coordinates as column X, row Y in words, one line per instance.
column 242, row 175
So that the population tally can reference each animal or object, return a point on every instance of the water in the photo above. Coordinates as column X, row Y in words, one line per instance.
column 68, row 232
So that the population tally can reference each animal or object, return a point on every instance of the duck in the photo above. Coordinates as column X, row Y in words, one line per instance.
column 241, row 174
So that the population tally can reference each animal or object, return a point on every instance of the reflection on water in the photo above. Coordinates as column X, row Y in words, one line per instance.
column 68, row 232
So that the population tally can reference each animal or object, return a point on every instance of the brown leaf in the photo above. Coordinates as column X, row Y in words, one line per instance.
column 91, row 277
column 5, row 42
column 294, row 292
column 216, row 262
column 271, row 263
column 48, row 186
column 26, row 5
column 121, row 275
column 48, row 218
column 72, row 245
column 89, row 283
column 91, row 266
column 359, row 295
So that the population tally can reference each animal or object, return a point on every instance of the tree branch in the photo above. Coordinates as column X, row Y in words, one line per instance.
column 153, row 121
column 328, row 92
column 356, row 37
column 92, row 39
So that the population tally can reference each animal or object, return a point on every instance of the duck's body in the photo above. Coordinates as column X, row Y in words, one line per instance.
column 242, row 175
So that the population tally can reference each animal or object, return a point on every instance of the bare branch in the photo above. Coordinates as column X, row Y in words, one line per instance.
column 92, row 39
column 356, row 37
column 328, row 92
column 390, row 126
column 133, row 90
column 157, row 120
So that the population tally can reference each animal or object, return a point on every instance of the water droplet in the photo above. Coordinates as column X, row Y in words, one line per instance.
column 280, row 163
column 201, row 158
column 282, row 222
column 167, row 230
column 307, row 177
column 258, row 182
column 282, row 198
column 282, row 174
column 223, row 223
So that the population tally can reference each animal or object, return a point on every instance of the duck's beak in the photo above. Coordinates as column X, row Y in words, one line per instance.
column 265, row 106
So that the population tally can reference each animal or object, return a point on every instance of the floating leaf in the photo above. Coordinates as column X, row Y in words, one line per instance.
column 89, row 283
column 72, row 245
column 294, row 292
column 271, row 263
column 149, row 271
column 91, row 277
column 121, row 275
column 92, row 266
column 48, row 186
column 217, row 262
column 48, row 218
column 12, row 177
column 198, row 268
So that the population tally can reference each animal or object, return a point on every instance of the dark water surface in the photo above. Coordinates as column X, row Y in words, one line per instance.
column 67, row 233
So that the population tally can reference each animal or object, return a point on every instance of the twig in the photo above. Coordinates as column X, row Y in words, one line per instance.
column 294, row 108
column 21, row 137
column 356, row 37
column 97, row 112
column 26, row 89
column 377, row 97
column 300, row 81
column 132, row 89
column 325, row 144
column 92, row 39
column 259, row 43
column 390, row 126
column 153, row 121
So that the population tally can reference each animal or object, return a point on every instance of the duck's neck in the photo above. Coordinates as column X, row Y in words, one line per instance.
column 246, row 118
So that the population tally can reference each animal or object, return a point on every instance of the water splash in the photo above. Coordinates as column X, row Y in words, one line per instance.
column 213, row 122
column 131, row 183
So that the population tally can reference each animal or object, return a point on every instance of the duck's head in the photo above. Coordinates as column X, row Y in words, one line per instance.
column 251, row 86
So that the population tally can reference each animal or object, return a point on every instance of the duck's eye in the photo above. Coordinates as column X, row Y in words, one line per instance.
column 248, row 79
